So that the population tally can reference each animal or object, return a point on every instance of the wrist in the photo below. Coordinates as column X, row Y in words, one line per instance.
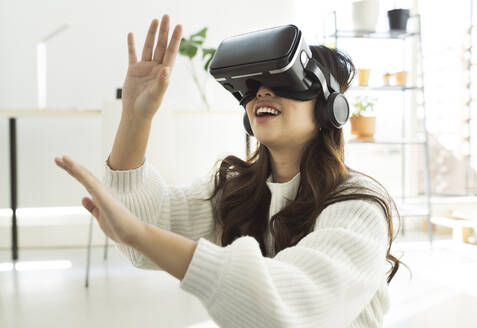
column 138, row 235
column 132, row 119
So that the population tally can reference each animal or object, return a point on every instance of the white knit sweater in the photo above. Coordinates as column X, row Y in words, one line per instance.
column 334, row 277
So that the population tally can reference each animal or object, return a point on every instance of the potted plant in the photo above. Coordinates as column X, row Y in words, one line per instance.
column 189, row 48
column 363, row 118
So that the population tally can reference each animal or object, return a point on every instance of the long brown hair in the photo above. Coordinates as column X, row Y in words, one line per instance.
column 242, row 198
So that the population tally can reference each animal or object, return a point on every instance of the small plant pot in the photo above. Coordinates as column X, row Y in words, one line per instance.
column 363, row 76
column 363, row 127
column 398, row 19
column 364, row 15
column 401, row 78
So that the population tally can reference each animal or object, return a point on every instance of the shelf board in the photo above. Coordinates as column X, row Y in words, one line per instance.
column 384, row 88
column 372, row 34
column 66, row 112
column 388, row 142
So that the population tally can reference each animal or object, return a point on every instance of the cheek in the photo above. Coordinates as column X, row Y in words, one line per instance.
column 303, row 112
column 302, row 117
column 309, row 112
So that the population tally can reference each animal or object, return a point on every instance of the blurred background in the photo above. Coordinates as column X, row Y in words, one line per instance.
column 63, row 64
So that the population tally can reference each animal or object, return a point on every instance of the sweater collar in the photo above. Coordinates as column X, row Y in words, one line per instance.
column 288, row 188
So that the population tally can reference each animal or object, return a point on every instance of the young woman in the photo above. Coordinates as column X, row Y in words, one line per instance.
column 291, row 237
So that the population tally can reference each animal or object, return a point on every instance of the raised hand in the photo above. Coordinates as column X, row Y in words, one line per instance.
column 147, row 80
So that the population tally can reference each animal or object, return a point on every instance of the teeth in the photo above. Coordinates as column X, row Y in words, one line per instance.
column 267, row 110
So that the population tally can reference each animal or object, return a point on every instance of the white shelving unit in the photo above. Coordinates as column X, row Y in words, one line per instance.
column 407, row 206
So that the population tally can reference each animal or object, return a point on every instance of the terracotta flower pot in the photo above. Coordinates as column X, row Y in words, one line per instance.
column 363, row 127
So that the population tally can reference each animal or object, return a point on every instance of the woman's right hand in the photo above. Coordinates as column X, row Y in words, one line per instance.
column 147, row 80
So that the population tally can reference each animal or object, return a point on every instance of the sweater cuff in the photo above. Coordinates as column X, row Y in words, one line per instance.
column 205, row 271
column 127, row 180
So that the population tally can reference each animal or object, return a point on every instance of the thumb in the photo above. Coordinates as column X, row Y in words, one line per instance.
column 88, row 204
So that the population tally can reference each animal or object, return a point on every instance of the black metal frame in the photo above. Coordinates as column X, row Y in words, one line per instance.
column 13, row 185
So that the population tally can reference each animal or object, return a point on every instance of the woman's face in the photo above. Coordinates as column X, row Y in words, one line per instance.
column 294, row 126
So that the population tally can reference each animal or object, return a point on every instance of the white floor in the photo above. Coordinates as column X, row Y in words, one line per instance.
column 442, row 292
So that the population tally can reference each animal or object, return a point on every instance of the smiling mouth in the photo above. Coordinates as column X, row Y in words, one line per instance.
column 264, row 118
column 274, row 112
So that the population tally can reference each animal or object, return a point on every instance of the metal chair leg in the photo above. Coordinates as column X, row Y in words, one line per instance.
column 88, row 258
column 106, row 248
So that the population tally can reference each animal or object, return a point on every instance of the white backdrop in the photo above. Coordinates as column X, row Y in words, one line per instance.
column 88, row 61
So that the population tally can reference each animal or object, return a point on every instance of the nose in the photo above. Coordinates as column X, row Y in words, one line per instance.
column 263, row 90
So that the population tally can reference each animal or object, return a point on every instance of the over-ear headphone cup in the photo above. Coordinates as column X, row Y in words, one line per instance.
column 246, row 124
column 337, row 109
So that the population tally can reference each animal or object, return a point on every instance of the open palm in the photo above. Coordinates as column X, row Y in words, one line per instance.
column 116, row 221
column 147, row 80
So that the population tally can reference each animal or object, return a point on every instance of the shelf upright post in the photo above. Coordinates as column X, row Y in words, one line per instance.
column 403, row 165
column 403, row 146
column 426, row 142
column 336, row 29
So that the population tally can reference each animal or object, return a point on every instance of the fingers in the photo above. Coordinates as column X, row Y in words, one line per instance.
column 163, row 53
column 80, row 173
column 149, row 43
column 162, row 40
column 173, row 47
column 131, row 49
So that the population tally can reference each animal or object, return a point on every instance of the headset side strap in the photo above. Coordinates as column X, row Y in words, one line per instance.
column 313, row 67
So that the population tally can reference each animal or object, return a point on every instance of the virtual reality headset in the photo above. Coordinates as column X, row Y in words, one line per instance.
column 279, row 59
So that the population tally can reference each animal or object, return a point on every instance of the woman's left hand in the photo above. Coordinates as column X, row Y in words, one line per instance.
column 117, row 222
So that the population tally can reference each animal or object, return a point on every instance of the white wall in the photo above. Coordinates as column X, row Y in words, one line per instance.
column 87, row 62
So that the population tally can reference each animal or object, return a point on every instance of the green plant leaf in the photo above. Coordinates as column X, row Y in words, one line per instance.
column 208, row 52
column 199, row 37
column 206, row 66
column 202, row 33
column 197, row 42
column 187, row 48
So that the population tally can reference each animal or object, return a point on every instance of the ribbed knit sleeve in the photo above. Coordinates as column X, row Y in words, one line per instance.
column 174, row 208
column 326, row 280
